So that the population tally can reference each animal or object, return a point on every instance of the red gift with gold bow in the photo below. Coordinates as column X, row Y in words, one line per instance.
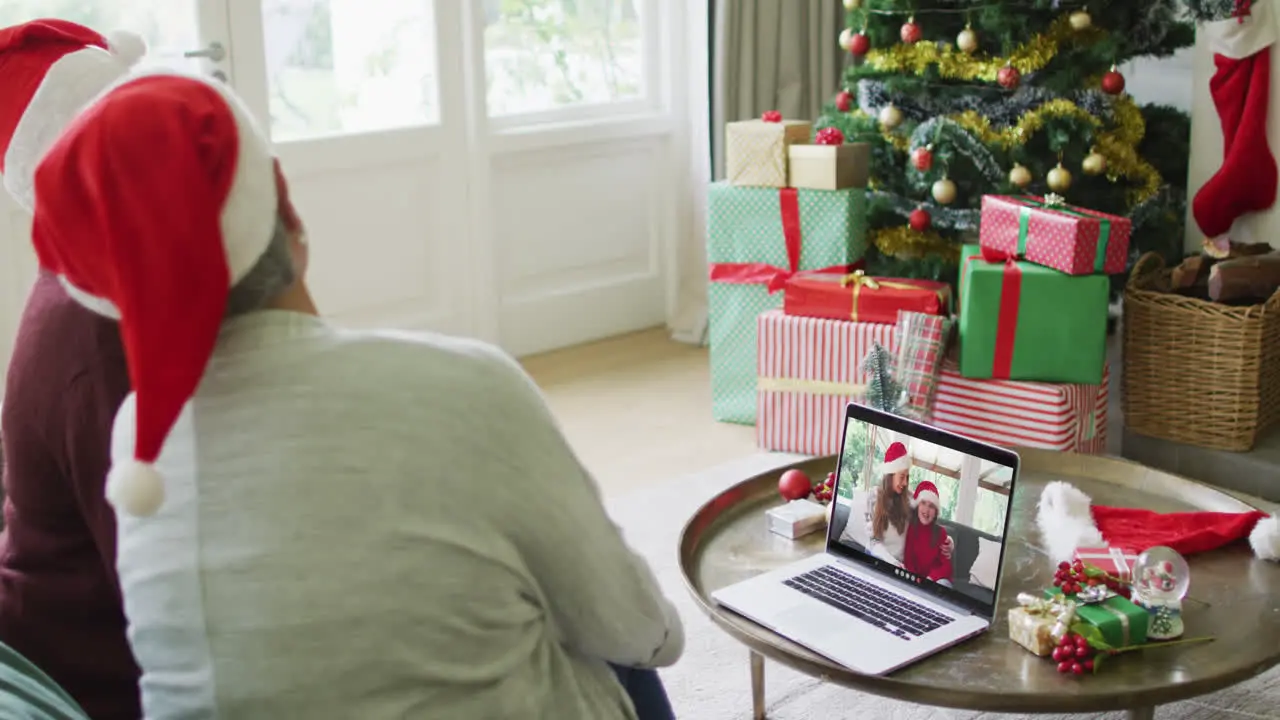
column 858, row 297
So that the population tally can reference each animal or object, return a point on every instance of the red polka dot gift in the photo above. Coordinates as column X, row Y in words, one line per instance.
column 1047, row 231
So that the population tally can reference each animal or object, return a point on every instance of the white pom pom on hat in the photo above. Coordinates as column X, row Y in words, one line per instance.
column 135, row 487
column 128, row 47
column 1265, row 538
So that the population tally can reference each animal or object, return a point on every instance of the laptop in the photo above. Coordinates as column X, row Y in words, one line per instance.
column 884, row 594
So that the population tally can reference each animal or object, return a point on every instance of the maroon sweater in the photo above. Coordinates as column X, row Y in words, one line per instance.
column 59, row 596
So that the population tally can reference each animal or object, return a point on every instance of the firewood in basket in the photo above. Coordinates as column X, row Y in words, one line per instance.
column 1246, row 278
column 1193, row 272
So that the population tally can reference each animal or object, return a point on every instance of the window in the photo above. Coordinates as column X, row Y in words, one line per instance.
column 545, row 55
column 168, row 26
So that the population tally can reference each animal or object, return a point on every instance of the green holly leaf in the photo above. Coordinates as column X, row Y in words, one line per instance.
column 1092, row 635
column 1097, row 661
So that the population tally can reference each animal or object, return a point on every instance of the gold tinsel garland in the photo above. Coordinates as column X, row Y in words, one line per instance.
column 903, row 242
column 955, row 64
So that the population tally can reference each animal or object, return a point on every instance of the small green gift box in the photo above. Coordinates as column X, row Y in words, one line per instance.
column 1121, row 622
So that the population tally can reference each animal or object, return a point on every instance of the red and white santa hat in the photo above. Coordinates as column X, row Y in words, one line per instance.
column 895, row 459
column 157, row 200
column 926, row 491
column 1068, row 520
column 49, row 71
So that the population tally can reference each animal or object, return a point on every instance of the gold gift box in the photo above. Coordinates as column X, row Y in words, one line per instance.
column 756, row 151
column 829, row 167
column 1032, row 631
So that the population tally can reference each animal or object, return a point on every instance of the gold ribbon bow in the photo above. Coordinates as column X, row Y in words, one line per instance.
column 859, row 279
column 1054, row 199
column 1061, row 609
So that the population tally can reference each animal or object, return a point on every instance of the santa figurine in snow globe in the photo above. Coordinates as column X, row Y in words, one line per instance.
column 1160, row 581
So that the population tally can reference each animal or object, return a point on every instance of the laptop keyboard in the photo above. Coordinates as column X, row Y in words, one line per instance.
column 886, row 610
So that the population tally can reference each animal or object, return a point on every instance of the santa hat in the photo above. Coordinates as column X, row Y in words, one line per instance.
column 895, row 459
column 49, row 71
column 158, row 199
column 1068, row 520
column 927, row 492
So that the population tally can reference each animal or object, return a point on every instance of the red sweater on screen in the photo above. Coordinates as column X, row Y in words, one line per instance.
column 60, row 603
column 923, row 555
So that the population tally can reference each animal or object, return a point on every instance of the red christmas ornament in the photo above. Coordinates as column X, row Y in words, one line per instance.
column 922, row 158
column 859, row 45
column 910, row 32
column 1113, row 82
column 794, row 485
column 1009, row 77
column 772, row 116
column 829, row 136
column 920, row 220
column 844, row 101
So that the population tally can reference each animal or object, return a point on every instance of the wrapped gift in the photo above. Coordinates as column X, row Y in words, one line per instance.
column 1032, row 630
column 1067, row 418
column 756, row 239
column 1121, row 622
column 922, row 345
column 1022, row 321
column 756, row 150
column 862, row 298
column 809, row 370
column 1048, row 232
column 1114, row 561
column 829, row 167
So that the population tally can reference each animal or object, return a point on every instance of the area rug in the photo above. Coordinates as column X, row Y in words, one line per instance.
column 712, row 681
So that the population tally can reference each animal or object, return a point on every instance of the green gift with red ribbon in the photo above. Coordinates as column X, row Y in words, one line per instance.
column 1048, row 232
column 757, row 238
column 1023, row 321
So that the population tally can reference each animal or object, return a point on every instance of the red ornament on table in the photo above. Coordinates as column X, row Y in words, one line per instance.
column 1113, row 82
column 920, row 220
column 859, row 45
column 1008, row 77
column 922, row 158
column 829, row 136
column 794, row 485
column 910, row 32
column 844, row 101
column 772, row 116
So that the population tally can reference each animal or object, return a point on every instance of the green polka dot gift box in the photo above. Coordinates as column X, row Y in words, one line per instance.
column 756, row 239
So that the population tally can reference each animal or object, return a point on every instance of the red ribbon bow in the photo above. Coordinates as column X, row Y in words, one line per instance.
column 772, row 116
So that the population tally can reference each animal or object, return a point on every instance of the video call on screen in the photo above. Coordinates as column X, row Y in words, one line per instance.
column 935, row 498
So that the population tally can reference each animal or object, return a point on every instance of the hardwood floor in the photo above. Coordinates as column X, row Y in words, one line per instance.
column 637, row 409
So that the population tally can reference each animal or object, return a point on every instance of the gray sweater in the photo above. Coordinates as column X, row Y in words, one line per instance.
column 378, row 525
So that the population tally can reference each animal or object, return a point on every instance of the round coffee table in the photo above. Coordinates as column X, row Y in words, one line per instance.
column 1234, row 597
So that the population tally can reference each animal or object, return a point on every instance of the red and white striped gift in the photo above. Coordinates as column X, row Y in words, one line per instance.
column 1068, row 418
column 807, row 371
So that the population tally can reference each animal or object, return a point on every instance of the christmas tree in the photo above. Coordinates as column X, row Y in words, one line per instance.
column 964, row 98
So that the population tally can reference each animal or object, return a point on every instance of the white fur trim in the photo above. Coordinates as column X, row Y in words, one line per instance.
column 1065, row 521
column 1235, row 39
column 92, row 302
column 69, row 85
column 902, row 463
column 135, row 487
column 927, row 496
column 128, row 47
column 1265, row 538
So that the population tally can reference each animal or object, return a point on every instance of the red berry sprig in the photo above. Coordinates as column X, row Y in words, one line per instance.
column 1072, row 578
column 1074, row 655
column 825, row 491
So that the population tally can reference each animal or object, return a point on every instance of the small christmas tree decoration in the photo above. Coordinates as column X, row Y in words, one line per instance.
column 829, row 136
column 1008, row 77
column 844, row 101
column 845, row 36
column 1059, row 179
column 883, row 391
column 771, row 116
column 920, row 220
column 910, row 32
column 922, row 158
column 1113, row 82
column 1094, row 163
column 967, row 40
column 1080, row 21
column 859, row 45
column 1019, row 176
column 944, row 191
column 852, row 4
column 890, row 116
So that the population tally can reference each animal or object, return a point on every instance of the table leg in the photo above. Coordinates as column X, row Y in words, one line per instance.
column 1146, row 713
column 757, row 686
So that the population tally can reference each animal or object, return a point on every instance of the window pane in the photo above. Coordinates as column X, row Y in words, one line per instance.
column 547, row 54
column 169, row 26
column 349, row 66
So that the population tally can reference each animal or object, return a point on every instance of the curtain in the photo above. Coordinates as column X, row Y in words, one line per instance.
column 761, row 55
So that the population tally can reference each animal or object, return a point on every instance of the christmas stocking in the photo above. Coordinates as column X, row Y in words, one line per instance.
column 1068, row 519
column 1241, row 90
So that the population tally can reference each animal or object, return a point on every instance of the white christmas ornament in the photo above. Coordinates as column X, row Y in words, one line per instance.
column 890, row 116
column 944, row 191
column 1020, row 176
column 845, row 35
column 1080, row 20
column 852, row 4
column 967, row 40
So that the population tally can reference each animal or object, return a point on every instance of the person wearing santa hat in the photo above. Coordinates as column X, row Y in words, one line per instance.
column 925, row 539
column 315, row 521
column 890, row 512
column 59, row 596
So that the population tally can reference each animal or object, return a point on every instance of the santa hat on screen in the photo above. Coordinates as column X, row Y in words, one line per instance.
column 1068, row 520
column 895, row 459
column 49, row 71
column 158, row 199
column 926, row 492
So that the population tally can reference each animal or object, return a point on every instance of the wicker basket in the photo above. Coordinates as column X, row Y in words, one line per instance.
column 1195, row 371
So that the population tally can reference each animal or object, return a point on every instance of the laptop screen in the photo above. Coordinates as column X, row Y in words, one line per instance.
column 923, row 505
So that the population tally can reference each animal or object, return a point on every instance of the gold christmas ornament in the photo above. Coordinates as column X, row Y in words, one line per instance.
column 1019, row 176
column 1094, row 164
column 955, row 64
column 1080, row 20
column 845, row 35
column 890, row 116
column 1059, row 179
column 967, row 41
column 852, row 4
column 944, row 191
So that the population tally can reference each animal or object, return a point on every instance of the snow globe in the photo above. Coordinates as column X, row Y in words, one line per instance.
column 1160, row 581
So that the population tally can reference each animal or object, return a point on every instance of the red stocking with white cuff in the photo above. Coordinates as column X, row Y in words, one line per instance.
column 1241, row 90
